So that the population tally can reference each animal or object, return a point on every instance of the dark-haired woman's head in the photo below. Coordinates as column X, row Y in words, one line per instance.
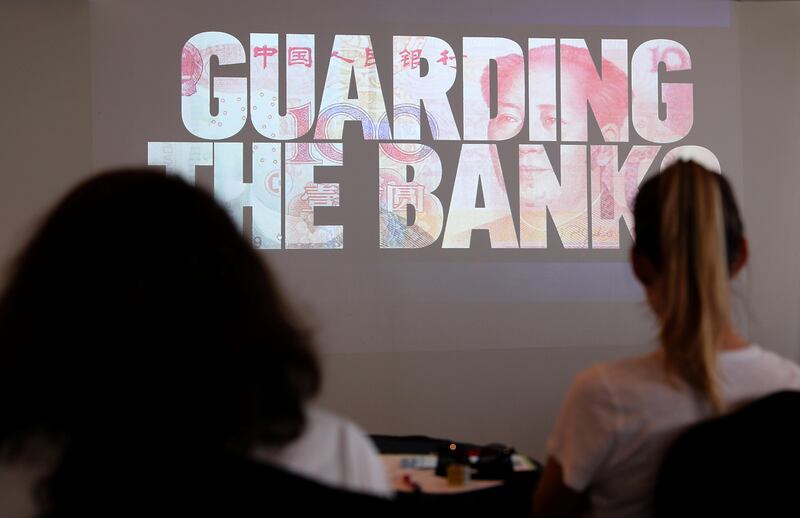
column 689, row 244
column 137, row 310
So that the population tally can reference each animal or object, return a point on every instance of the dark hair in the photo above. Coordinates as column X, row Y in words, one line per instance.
column 138, row 310
column 688, row 227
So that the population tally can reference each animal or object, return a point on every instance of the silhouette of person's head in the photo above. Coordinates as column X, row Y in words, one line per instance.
column 138, row 315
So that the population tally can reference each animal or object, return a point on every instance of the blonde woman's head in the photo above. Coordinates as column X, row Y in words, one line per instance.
column 689, row 244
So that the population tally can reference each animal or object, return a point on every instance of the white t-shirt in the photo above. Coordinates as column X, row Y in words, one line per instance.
column 334, row 451
column 620, row 417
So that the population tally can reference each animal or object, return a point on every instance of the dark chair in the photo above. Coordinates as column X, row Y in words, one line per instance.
column 218, row 487
column 745, row 463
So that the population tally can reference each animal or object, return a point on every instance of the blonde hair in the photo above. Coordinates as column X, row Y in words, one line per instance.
column 695, row 219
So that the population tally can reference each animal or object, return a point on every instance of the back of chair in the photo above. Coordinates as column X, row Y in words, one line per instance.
column 223, row 486
column 746, row 463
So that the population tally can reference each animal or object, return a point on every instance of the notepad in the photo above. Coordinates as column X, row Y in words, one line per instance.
column 419, row 462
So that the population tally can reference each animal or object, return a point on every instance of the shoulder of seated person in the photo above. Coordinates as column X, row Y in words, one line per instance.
column 756, row 350
column 775, row 363
column 755, row 355
column 319, row 418
column 621, row 368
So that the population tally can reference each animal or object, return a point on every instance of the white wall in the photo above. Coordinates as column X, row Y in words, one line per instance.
column 770, row 67
column 45, row 141
column 496, row 395
column 512, row 396
column 45, row 124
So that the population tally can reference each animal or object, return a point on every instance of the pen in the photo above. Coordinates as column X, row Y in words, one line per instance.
column 411, row 483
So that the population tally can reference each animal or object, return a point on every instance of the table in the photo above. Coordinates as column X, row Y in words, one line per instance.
column 426, row 479
column 510, row 498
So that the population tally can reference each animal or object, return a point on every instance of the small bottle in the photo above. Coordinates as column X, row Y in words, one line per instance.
column 458, row 474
